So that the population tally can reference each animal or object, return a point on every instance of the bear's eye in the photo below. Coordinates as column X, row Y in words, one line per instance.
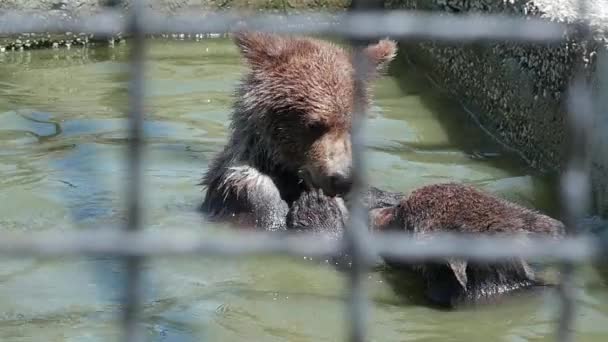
column 317, row 128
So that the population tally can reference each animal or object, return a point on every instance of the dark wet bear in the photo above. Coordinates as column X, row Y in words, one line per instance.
column 314, row 212
column 290, row 127
column 461, row 209
column 453, row 208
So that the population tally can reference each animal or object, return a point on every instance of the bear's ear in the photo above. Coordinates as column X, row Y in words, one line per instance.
column 381, row 53
column 259, row 48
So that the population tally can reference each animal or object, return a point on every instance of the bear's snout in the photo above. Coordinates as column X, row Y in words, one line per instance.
column 329, row 164
column 339, row 183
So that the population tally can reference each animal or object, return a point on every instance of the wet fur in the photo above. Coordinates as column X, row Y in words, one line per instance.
column 292, row 117
column 290, row 127
column 459, row 209
column 316, row 213
column 462, row 209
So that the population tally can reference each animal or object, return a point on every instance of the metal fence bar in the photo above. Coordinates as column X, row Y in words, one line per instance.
column 396, row 24
column 108, row 22
column 396, row 245
column 356, row 233
column 575, row 183
column 574, row 198
column 131, row 307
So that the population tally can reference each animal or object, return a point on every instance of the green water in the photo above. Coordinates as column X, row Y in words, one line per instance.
column 62, row 139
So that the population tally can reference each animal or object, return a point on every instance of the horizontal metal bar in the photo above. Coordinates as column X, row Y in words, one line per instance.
column 396, row 24
column 401, row 246
column 109, row 22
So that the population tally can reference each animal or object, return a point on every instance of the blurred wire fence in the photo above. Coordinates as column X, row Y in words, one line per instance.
column 134, row 244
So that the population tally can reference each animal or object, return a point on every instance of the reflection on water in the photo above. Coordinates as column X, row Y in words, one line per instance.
column 62, row 167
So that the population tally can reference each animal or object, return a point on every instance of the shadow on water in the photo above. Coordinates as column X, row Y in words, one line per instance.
column 465, row 134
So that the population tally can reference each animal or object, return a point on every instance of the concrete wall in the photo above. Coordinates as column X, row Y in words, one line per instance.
column 517, row 91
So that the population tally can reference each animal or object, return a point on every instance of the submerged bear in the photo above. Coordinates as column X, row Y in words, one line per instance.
column 461, row 209
column 443, row 208
column 290, row 128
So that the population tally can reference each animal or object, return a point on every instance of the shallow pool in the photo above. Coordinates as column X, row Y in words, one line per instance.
column 62, row 138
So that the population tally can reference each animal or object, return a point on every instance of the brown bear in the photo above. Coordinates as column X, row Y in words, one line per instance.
column 450, row 207
column 462, row 209
column 290, row 127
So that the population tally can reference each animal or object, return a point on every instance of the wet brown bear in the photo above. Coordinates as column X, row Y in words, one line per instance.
column 290, row 128
column 453, row 208
column 461, row 209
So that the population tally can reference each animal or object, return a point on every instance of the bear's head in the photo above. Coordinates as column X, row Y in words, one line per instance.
column 298, row 98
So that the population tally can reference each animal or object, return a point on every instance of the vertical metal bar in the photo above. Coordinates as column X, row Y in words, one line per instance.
column 575, row 183
column 357, row 233
column 575, row 189
column 132, row 332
